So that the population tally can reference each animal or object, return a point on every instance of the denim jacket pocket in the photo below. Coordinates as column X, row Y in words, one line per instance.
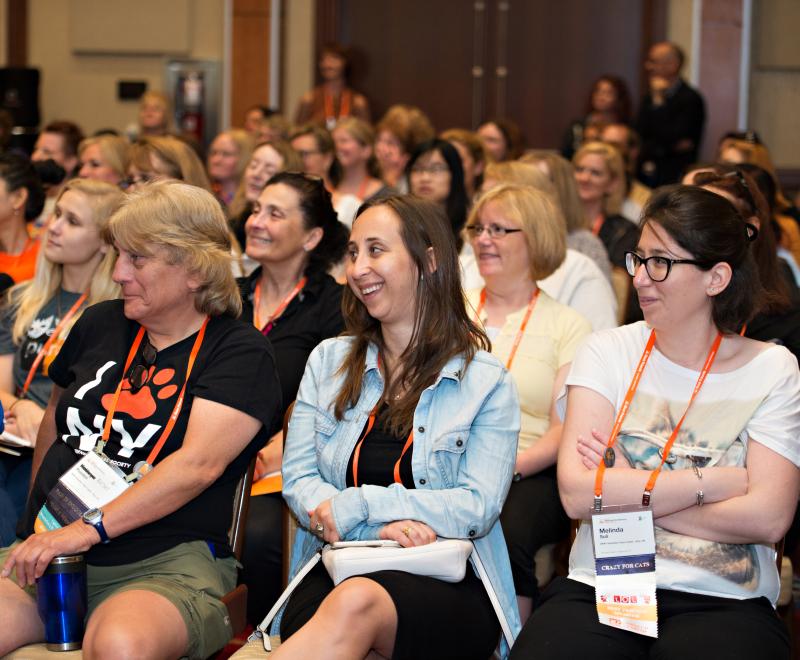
column 448, row 450
column 324, row 429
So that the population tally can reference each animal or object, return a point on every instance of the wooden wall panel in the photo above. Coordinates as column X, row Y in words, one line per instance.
column 250, row 57
column 415, row 51
column 537, row 65
column 17, row 33
column 556, row 50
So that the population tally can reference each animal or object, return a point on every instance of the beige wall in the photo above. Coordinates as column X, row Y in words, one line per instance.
column 679, row 29
column 775, row 79
column 298, row 53
column 84, row 87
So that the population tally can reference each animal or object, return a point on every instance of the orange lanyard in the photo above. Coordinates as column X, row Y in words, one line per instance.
column 521, row 331
column 178, row 404
column 357, row 452
column 362, row 188
column 623, row 411
column 344, row 105
column 284, row 304
column 598, row 224
column 370, row 424
column 44, row 350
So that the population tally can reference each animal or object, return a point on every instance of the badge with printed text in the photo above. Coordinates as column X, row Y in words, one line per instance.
column 625, row 564
column 91, row 483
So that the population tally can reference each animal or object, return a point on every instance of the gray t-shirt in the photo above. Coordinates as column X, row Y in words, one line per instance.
column 38, row 332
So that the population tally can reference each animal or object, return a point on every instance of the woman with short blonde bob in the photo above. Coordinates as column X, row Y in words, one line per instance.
column 104, row 158
column 600, row 175
column 579, row 235
column 171, row 371
column 518, row 239
column 228, row 157
column 359, row 175
column 165, row 157
column 577, row 281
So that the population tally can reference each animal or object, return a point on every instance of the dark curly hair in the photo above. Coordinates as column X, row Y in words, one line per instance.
column 18, row 172
column 712, row 230
column 317, row 210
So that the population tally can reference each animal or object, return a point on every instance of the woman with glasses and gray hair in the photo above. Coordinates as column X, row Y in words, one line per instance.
column 170, row 389
column 697, row 428
column 518, row 238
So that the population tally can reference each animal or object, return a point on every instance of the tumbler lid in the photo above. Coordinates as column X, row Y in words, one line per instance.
column 66, row 559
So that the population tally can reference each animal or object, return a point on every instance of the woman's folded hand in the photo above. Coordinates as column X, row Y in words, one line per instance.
column 592, row 450
column 408, row 533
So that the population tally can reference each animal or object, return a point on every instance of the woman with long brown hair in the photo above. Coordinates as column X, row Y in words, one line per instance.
column 437, row 418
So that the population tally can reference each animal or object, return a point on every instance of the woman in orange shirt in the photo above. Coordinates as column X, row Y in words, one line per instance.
column 21, row 201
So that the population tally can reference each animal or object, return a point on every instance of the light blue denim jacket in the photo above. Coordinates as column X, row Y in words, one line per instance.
column 465, row 441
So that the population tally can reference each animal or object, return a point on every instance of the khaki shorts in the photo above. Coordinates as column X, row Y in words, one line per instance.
column 187, row 575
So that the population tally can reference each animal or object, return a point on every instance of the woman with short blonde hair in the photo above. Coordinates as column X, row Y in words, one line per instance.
column 600, row 175
column 228, row 157
column 579, row 236
column 189, row 394
column 104, row 158
column 517, row 235
column 193, row 233
column 162, row 157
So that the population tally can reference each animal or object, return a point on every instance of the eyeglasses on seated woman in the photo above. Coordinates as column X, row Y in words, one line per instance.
column 696, row 428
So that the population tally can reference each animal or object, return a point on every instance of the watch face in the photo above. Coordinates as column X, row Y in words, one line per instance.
column 93, row 515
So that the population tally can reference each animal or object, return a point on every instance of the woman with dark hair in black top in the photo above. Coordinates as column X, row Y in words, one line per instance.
column 435, row 173
column 295, row 236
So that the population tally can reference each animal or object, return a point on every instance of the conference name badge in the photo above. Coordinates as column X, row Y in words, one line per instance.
column 91, row 483
column 625, row 565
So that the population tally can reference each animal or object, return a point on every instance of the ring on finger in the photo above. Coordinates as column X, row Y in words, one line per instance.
column 320, row 528
column 407, row 532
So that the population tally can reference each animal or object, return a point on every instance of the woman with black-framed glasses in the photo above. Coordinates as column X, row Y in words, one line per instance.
column 518, row 239
column 162, row 399
column 696, row 428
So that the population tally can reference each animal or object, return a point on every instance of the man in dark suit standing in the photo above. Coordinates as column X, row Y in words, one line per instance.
column 670, row 120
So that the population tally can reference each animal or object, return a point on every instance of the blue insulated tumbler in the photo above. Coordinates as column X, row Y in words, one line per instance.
column 61, row 600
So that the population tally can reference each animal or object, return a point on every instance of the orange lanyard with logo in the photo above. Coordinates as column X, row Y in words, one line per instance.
column 44, row 350
column 284, row 304
column 623, row 411
column 141, row 470
column 344, row 105
column 523, row 325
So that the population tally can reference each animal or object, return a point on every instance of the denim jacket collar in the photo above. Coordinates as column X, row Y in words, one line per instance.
column 453, row 368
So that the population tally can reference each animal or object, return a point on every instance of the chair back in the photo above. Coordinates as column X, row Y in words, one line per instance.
column 241, row 505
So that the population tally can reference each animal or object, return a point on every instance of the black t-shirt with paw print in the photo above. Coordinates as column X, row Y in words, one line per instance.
column 235, row 367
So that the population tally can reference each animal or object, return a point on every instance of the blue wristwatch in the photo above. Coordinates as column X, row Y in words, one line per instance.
column 94, row 517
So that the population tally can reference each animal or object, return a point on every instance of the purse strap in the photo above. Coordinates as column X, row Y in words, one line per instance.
column 262, row 630
column 487, row 584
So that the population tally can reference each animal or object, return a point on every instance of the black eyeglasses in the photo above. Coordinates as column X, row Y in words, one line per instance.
column 494, row 231
column 139, row 179
column 139, row 374
column 657, row 267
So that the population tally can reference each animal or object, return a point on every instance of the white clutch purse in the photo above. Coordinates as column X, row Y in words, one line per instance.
column 445, row 559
